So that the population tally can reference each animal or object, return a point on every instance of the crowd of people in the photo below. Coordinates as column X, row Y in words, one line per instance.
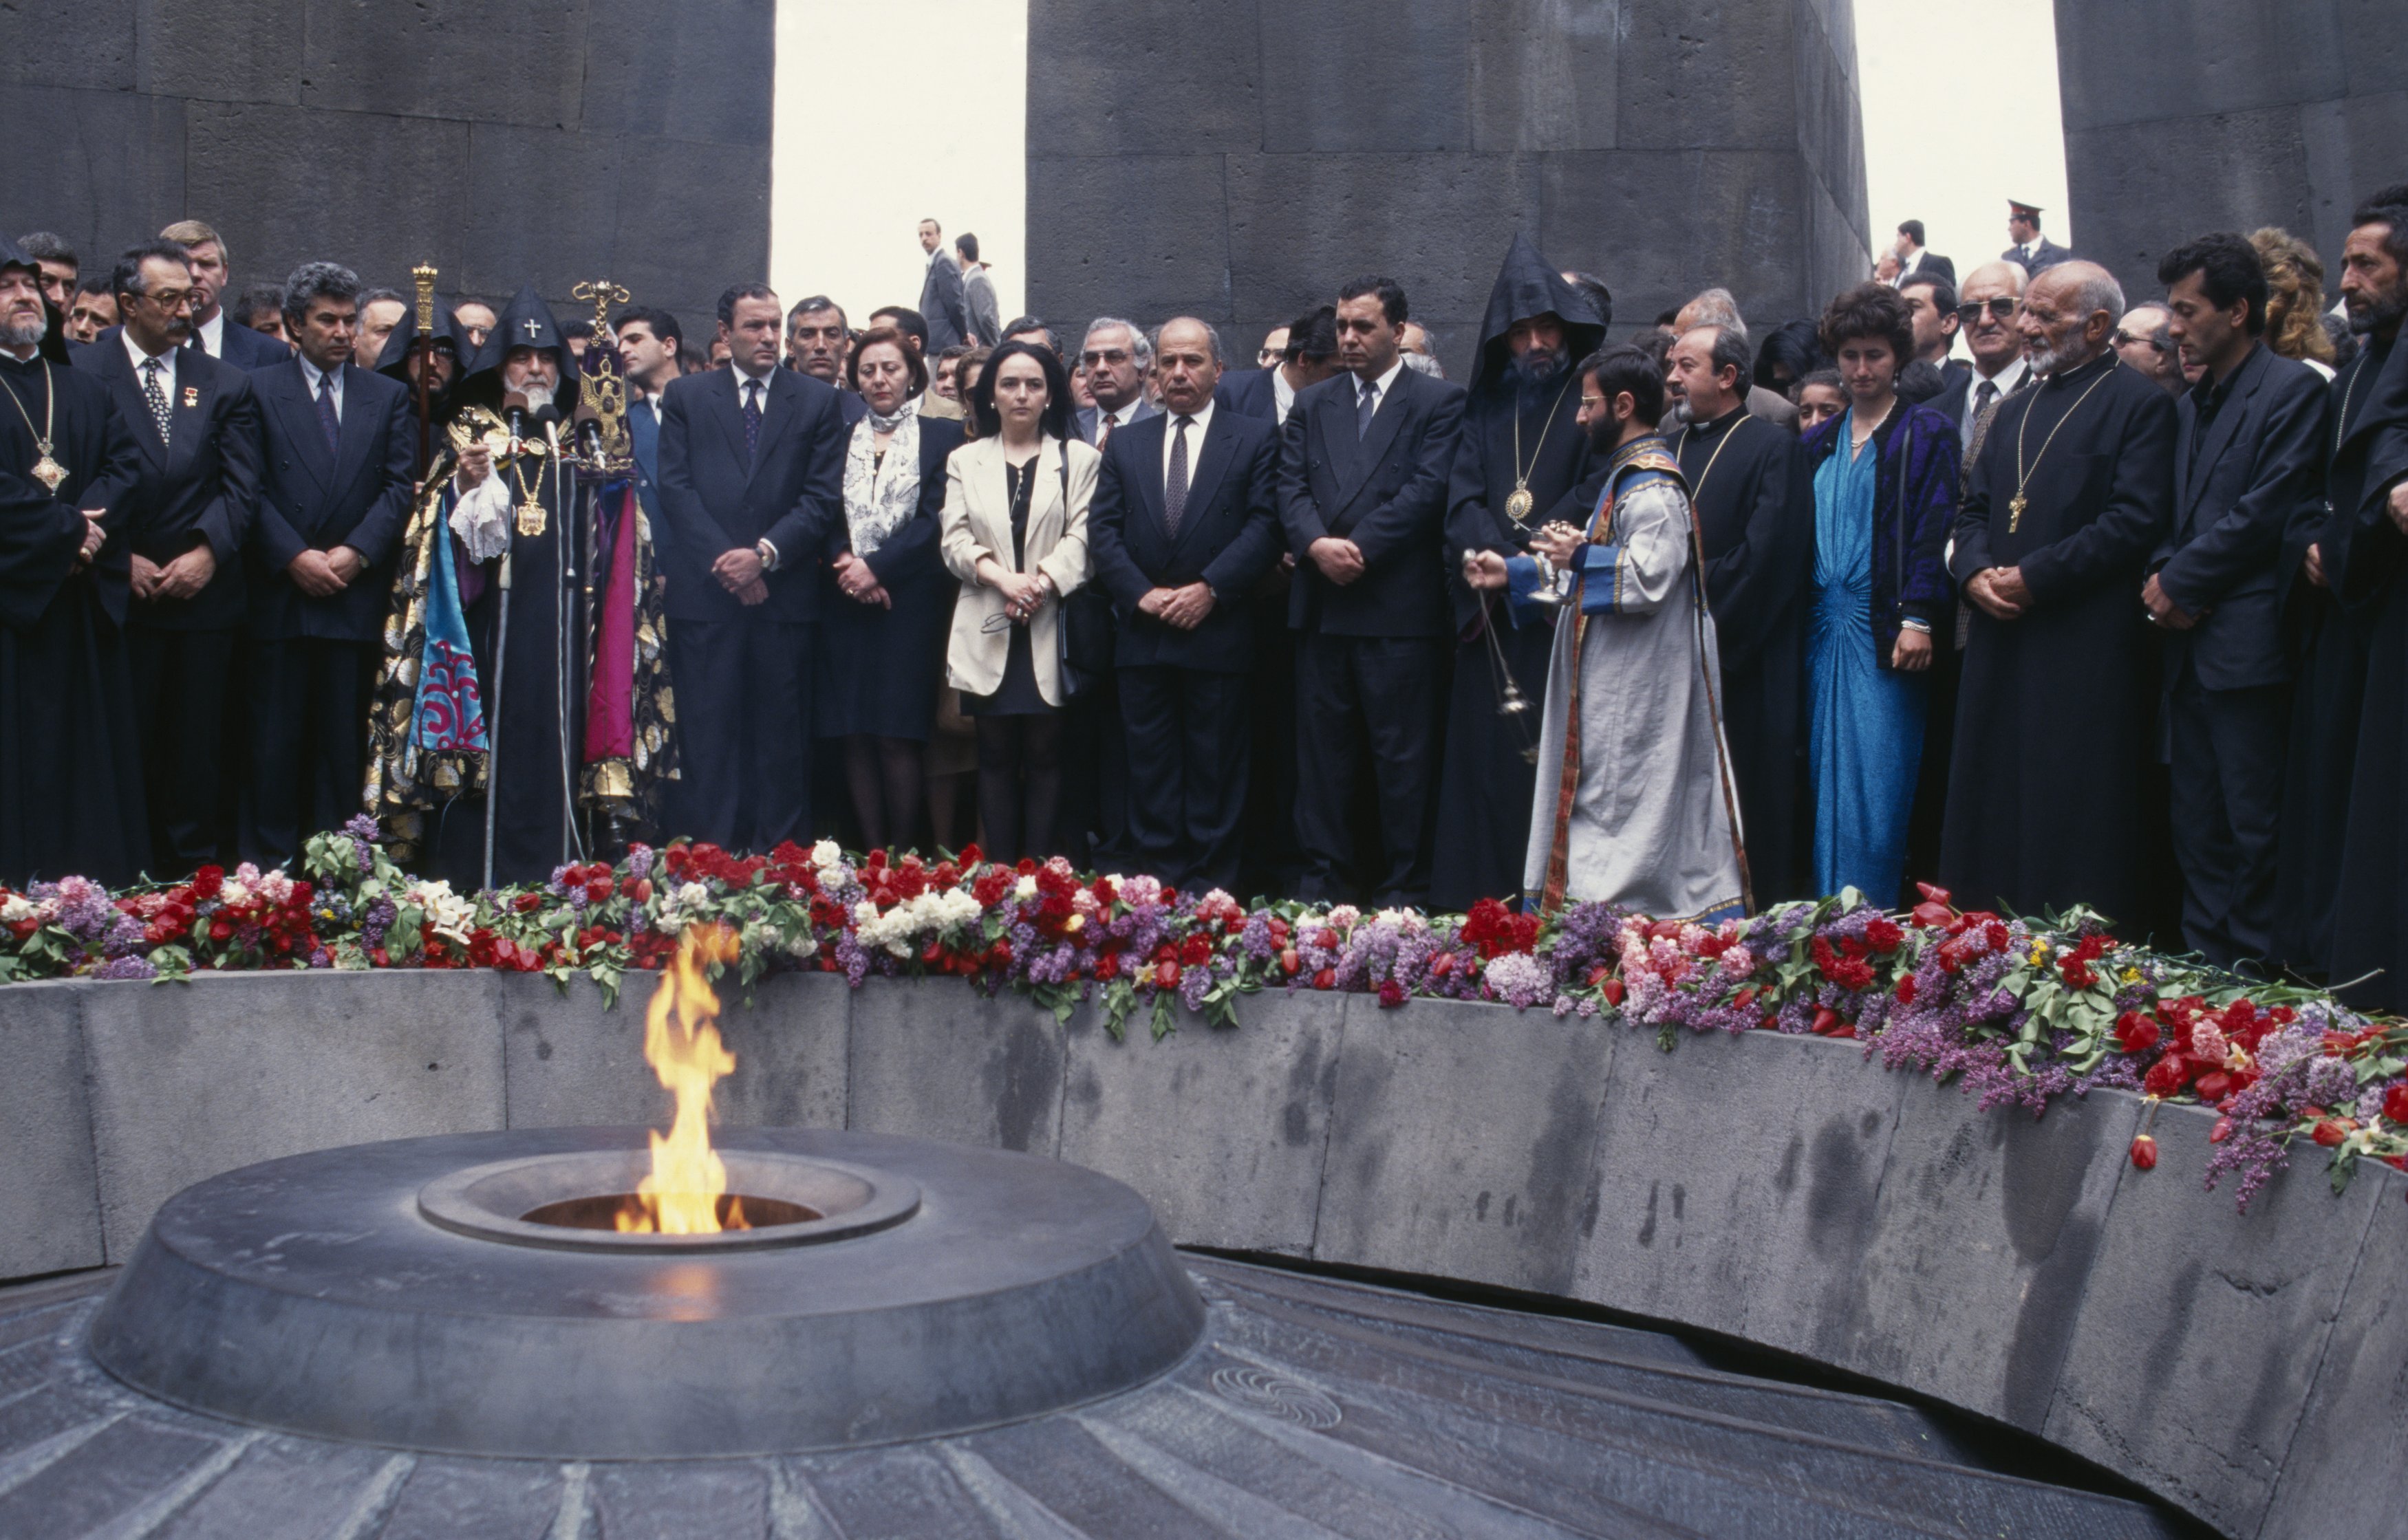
column 2005, row 583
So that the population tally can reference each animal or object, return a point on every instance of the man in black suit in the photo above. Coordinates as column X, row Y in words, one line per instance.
column 2247, row 444
column 1118, row 359
column 338, row 447
column 1308, row 355
column 752, row 463
column 1931, row 299
column 183, row 522
column 2032, row 251
column 1183, row 525
column 214, row 332
column 1364, row 465
column 943, row 302
column 1912, row 257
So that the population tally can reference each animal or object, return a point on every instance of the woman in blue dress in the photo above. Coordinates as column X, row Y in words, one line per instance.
column 1884, row 476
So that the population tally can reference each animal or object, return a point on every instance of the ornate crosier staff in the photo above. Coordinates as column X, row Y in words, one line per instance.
column 423, row 277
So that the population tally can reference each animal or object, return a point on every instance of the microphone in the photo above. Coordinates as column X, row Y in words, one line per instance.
column 515, row 414
column 589, row 434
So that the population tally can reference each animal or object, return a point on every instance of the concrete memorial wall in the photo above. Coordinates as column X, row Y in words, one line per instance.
column 2187, row 116
column 2252, row 1369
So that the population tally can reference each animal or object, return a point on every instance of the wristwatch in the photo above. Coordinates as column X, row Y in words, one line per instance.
column 768, row 552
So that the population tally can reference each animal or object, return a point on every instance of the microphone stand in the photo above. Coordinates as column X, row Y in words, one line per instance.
column 493, row 717
column 572, row 846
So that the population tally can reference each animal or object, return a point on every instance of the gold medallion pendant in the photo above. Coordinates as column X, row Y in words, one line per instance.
column 48, row 471
column 1518, row 504
column 531, row 518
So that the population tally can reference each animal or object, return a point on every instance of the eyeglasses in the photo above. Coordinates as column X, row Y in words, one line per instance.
column 2001, row 307
column 2125, row 339
column 1115, row 357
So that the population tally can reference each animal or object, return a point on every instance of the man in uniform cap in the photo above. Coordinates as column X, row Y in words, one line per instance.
column 2031, row 251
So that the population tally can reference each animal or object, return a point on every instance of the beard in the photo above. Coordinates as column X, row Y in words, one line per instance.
column 537, row 393
column 2383, row 311
column 27, row 333
column 2058, row 356
column 1536, row 369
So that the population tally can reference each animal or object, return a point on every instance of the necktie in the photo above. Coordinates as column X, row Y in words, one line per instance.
column 1985, row 395
column 1103, row 429
column 1363, row 410
column 1174, row 488
column 751, row 420
column 327, row 417
column 157, row 393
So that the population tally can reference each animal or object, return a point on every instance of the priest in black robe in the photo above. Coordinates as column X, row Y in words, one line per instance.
column 70, row 763
column 2368, row 397
column 1754, row 503
column 2368, row 570
column 1522, row 454
column 2073, row 490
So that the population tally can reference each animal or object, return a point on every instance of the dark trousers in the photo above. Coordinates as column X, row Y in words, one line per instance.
column 1189, row 743
column 309, row 741
column 1375, row 699
column 181, row 680
column 2227, row 800
column 744, row 732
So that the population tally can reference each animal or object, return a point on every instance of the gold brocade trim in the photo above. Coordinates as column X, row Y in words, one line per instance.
column 402, row 781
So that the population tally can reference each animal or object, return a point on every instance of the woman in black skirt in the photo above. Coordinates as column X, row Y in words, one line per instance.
column 883, row 639
column 1015, row 533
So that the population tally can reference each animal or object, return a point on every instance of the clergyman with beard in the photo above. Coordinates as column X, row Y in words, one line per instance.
column 2072, row 490
column 66, row 700
column 1755, row 499
column 1522, row 453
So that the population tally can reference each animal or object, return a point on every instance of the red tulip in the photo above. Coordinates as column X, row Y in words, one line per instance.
column 2144, row 1153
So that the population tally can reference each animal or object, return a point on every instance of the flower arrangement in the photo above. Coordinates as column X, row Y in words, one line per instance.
column 2020, row 1010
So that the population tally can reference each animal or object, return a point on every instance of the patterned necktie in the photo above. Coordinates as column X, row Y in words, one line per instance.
column 751, row 420
column 327, row 417
column 1174, row 488
column 1103, row 429
column 1363, row 411
column 156, row 391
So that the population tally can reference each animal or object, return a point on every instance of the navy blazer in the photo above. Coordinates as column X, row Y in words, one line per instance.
column 310, row 499
column 791, row 494
column 200, row 487
column 911, row 558
column 1228, row 537
column 1385, row 491
column 2239, row 489
column 1248, row 393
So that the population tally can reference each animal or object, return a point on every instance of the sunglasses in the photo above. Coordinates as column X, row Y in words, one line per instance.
column 2003, row 307
column 2125, row 339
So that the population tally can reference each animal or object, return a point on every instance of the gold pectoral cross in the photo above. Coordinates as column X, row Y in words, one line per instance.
column 2015, row 507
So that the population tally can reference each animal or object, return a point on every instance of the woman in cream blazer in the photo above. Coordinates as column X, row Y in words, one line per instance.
column 1004, row 654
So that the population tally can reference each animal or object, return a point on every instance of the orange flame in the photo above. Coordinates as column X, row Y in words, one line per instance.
column 682, row 1194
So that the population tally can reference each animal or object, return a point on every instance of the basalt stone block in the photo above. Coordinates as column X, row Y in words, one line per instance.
column 2357, row 1417
column 1100, row 261
column 542, row 205
column 2180, row 177
column 1462, row 1142
column 85, row 43
column 2352, row 147
column 1173, row 77
column 1367, row 78
column 106, row 169
column 697, row 72
column 1663, row 224
column 1830, row 119
column 2235, row 55
column 1990, row 1223
column 2201, row 1332
column 692, row 220
column 1707, row 75
column 930, row 1058
column 483, row 61
column 226, row 50
column 288, row 185
column 192, row 1080
column 1223, row 1130
column 49, row 1215
column 1543, row 75
column 1764, row 1234
column 791, row 1040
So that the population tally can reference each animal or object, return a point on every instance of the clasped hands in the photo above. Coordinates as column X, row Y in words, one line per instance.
column 740, row 572
column 2001, row 591
column 854, row 579
column 2163, row 610
column 319, row 573
column 1024, row 592
column 1185, row 608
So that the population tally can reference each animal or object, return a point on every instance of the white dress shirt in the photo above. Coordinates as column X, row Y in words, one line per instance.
column 1380, row 387
column 311, row 374
column 2005, row 380
column 167, row 363
column 211, row 333
column 1120, row 419
column 1198, row 426
column 1282, row 394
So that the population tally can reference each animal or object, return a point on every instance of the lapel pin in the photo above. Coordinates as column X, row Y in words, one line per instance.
column 192, row 395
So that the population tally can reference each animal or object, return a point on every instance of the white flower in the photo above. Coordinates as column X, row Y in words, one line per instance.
column 233, row 895
column 1026, row 888
column 694, row 895
column 448, row 915
column 18, row 908
column 276, row 887
column 827, row 855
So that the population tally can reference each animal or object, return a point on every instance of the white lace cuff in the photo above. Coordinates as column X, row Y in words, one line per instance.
column 481, row 518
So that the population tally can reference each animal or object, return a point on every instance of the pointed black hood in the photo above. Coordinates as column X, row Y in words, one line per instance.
column 1528, row 285
column 527, row 322
column 449, row 335
column 54, row 336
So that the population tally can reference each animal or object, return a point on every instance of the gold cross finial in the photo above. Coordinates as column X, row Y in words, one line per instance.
column 604, row 294
column 424, row 276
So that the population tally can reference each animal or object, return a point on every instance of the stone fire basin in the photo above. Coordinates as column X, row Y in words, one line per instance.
column 393, row 1294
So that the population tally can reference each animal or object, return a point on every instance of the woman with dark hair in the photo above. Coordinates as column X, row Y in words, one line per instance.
column 1787, row 355
column 1015, row 533
column 882, row 638
column 1884, row 493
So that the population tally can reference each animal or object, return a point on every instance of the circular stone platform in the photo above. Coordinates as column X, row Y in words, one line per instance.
column 397, row 1294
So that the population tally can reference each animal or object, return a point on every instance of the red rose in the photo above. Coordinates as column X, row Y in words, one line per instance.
column 1883, row 935
column 2332, row 1131
column 1906, row 989
column 206, row 882
column 527, row 903
column 2138, row 1034
column 1195, row 952
column 2168, row 1075
column 1165, row 976
column 2144, row 1153
column 1326, row 979
column 597, row 890
column 1392, row 994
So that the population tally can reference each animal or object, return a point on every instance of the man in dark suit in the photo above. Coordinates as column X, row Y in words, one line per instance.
column 1117, row 358
column 214, row 332
column 2247, row 444
column 1932, row 301
column 2032, row 251
column 338, row 450
column 1912, row 257
column 1364, row 465
column 183, row 522
column 649, row 341
column 1184, row 524
column 751, row 481
column 1308, row 355
column 942, row 303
